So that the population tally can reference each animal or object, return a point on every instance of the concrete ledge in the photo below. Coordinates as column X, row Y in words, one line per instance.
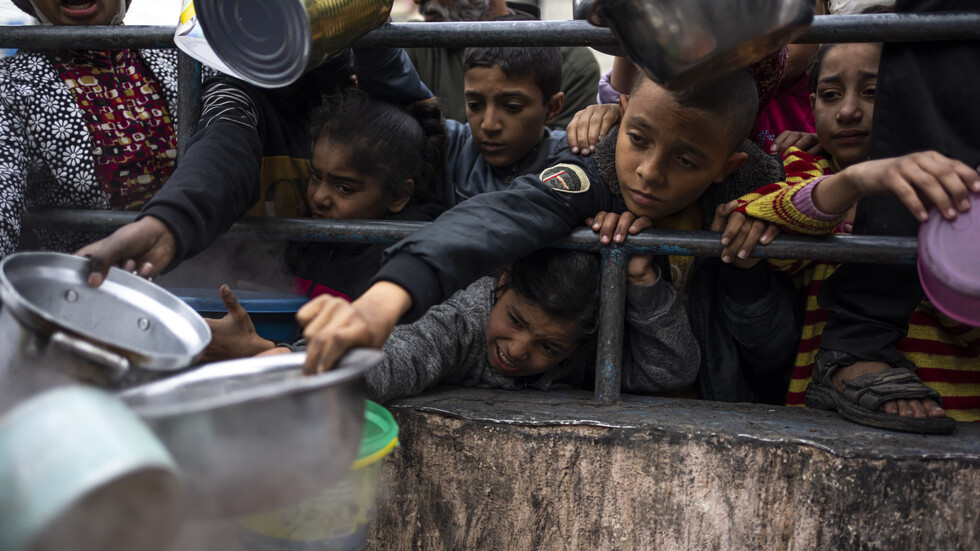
column 486, row 470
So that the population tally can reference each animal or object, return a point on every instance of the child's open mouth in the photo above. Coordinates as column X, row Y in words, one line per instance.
column 501, row 362
column 79, row 8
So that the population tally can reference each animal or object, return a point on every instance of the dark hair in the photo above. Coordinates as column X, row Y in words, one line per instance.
column 387, row 141
column 813, row 73
column 735, row 98
column 565, row 284
column 541, row 64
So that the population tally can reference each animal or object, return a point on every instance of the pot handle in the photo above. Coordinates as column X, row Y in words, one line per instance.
column 116, row 365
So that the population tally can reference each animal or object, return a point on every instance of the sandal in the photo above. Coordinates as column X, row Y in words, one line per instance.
column 864, row 394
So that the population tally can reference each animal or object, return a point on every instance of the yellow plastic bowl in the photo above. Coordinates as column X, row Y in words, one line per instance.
column 338, row 518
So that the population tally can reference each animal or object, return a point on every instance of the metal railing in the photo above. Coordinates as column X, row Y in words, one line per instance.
column 861, row 28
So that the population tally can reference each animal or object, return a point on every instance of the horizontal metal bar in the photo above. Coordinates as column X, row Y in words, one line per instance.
column 825, row 28
column 835, row 248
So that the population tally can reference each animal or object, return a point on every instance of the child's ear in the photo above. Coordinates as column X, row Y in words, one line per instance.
column 554, row 107
column 813, row 100
column 732, row 163
column 404, row 197
column 623, row 100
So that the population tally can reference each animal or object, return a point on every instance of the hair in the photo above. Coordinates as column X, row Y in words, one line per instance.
column 390, row 142
column 735, row 98
column 540, row 64
column 565, row 284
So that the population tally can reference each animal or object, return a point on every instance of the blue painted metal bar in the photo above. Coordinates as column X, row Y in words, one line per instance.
column 609, row 351
column 188, row 99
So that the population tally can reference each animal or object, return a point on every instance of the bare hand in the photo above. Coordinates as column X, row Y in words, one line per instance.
column 233, row 336
column 590, row 125
column 801, row 140
column 640, row 270
column 146, row 243
column 332, row 326
column 918, row 180
column 740, row 234
column 613, row 227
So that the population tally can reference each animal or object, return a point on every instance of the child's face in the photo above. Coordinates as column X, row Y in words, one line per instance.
column 844, row 101
column 338, row 190
column 522, row 339
column 97, row 12
column 667, row 155
column 507, row 116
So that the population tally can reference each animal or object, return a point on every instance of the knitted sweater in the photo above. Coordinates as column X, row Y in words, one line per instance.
column 448, row 346
column 946, row 353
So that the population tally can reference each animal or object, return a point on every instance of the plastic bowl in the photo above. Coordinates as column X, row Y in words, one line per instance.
column 338, row 518
column 949, row 263
column 274, row 314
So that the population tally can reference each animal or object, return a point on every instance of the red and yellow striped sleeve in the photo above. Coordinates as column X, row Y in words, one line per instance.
column 774, row 203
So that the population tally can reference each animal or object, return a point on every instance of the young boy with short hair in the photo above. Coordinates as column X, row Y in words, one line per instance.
column 512, row 96
column 676, row 156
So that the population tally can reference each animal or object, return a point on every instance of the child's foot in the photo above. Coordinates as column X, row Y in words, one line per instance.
column 905, row 408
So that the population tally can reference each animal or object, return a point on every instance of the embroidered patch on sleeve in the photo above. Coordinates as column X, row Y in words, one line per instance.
column 566, row 178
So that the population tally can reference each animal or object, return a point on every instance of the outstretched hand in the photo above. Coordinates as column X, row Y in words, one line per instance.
column 145, row 246
column 740, row 234
column 614, row 227
column 332, row 326
column 234, row 335
column 919, row 180
column 590, row 125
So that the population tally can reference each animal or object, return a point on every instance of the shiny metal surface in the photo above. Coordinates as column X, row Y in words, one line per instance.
column 271, row 43
column 254, row 434
column 127, row 331
column 680, row 43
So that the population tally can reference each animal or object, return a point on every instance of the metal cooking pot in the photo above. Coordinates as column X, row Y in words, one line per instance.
column 80, row 471
column 127, row 331
column 680, row 43
column 255, row 434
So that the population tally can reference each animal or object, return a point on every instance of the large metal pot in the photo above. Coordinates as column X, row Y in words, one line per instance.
column 680, row 43
column 80, row 471
column 127, row 331
column 255, row 434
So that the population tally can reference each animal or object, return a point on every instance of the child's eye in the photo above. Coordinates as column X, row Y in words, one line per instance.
column 514, row 107
column 345, row 189
column 686, row 163
column 635, row 138
column 870, row 92
column 829, row 95
column 315, row 178
column 514, row 321
column 474, row 105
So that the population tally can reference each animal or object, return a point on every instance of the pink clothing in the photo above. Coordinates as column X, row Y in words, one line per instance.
column 789, row 109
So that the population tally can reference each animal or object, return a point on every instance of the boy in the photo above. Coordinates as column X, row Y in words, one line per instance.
column 662, row 164
column 512, row 96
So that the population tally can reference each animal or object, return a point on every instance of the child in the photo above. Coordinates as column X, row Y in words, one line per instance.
column 535, row 326
column 371, row 160
column 512, row 95
column 844, row 79
column 673, row 160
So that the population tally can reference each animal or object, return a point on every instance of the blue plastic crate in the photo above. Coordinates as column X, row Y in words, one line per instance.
column 274, row 314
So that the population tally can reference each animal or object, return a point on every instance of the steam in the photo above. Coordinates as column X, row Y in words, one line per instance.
column 249, row 264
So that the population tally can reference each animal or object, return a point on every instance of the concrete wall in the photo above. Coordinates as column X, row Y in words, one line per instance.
column 539, row 471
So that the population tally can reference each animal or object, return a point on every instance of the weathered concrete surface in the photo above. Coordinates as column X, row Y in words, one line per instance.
column 486, row 470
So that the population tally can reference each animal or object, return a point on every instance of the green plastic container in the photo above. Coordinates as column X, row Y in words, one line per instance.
column 338, row 518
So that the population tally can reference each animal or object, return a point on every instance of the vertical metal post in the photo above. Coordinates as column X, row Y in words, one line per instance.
column 188, row 99
column 609, row 355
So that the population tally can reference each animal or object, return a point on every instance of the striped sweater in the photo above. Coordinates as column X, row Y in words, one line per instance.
column 946, row 352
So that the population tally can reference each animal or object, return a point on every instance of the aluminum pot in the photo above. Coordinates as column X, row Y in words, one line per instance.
column 680, row 43
column 80, row 471
column 125, row 332
column 255, row 434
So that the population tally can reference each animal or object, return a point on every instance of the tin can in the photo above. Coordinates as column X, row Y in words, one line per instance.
column 272, row 43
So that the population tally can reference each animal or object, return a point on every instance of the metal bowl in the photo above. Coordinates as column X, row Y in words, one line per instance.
column 254, row 434
column 680, row 43
column 126, row 331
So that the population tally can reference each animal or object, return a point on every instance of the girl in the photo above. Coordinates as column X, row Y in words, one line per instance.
column 534, row 326
column 371, row 160
column 816, row 200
